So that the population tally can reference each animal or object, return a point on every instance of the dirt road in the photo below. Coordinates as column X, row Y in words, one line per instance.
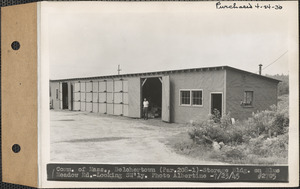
column 87, row 137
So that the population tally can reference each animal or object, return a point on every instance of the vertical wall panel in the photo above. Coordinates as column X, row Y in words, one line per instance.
column 110, row 109
column 102, row 108
column 95, row 97
column 55, row 95
column 89, row 97
column 102, row 97
column 125, row 98
column 76, row 106
column 118, row 86
column 165, row 109
column 125, row 86
column 82, row 87
column 125, row 110
column 109, row 97
column 95, row 86
column 118, row 98
column 76, row 97
column 89, row 107
column 60, row 96
column 118, row 109
column 102, row 86
column 134, row 97
column 110, row 86
column 89, row 86
column 82, row 97
column 95, row 107
column 82, row 106
column 77, row 87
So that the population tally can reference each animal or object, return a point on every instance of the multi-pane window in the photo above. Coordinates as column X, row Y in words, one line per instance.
column 248, row 98
column 191, row 97
column 185, row 97
column 196, row 97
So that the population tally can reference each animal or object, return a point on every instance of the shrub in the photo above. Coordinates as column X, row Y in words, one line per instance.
column 263, row 138
column 206, row 132
column 269, row 122
column 216, row 116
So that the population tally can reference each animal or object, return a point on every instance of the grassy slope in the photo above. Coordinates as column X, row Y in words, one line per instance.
column 182, row 144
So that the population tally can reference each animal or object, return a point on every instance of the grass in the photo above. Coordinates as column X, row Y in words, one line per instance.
column 261, row 148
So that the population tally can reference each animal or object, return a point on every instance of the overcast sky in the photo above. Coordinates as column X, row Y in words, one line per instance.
column 95, row 42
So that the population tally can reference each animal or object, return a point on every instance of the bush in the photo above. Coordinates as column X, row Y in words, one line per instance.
column 208, row 131
column 269, row 122
column 216, row 116
column 262, row 138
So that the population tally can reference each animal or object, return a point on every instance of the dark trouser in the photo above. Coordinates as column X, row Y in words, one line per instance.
column 145, row 112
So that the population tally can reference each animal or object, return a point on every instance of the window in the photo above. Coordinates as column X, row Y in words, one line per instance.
column 248, row 98
column 56, row 94
column 185, row 98
column 197, row 98
column 191, row 97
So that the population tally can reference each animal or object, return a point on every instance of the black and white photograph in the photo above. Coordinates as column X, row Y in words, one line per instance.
column 169, row 83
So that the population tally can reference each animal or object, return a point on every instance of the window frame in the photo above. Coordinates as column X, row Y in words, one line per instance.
column 188, row 90
column 245, row 98
column 191, row 98
column 196, row 90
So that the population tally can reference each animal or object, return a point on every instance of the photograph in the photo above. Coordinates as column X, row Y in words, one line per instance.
column 150, row 94
column 164, row 85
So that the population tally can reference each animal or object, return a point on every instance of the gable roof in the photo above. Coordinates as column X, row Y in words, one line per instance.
column 168, row 72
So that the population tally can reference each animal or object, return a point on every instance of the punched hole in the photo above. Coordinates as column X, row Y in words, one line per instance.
column 15, row 45
column 16, row 148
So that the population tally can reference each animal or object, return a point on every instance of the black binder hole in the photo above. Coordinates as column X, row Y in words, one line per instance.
column 15, row 45
column 16, row 148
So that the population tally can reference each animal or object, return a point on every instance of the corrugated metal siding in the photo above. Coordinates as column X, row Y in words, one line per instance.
column 264, row 94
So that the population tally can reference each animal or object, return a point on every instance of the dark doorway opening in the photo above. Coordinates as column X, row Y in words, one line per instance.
column 152, row 91
column 65, row 96
column 216, row 103
column 72, row 98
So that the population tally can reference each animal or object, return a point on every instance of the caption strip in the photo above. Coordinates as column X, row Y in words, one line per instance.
column 184, row 173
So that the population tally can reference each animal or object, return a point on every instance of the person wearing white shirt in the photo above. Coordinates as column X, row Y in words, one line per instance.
column 145, row 109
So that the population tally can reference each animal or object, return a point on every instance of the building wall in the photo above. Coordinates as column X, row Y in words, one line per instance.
column 208, row 81
column 108, row 96
column 264, row 93
column 114, row 98
column 54, row 98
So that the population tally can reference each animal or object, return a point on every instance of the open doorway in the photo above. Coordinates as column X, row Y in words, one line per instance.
column 216, row 103
column 152, row 91
column 65, row 103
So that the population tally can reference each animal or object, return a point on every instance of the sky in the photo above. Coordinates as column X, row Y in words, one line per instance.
column 94, row 42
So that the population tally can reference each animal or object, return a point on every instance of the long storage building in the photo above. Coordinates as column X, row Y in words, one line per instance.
column 174, row 95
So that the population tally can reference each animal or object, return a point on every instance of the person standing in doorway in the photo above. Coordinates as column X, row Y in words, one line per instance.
column 145, row 108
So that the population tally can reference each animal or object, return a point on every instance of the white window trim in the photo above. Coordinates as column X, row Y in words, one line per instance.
column 180, row 97
column 191, row 98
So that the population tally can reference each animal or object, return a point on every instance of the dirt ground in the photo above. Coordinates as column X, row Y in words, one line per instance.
column 88, row 137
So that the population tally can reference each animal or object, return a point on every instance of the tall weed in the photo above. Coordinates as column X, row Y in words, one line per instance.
column 263, row 135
